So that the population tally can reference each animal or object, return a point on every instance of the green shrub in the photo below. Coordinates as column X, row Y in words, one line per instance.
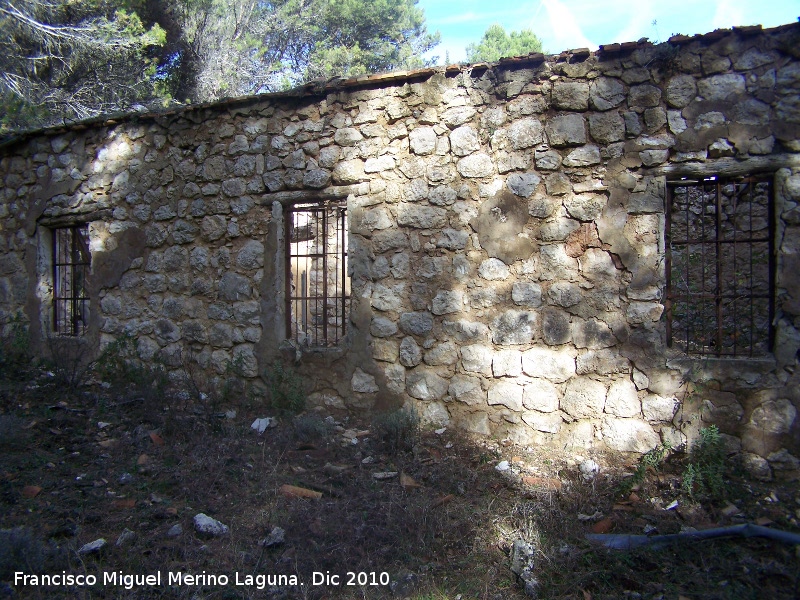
column 120, row 366
column 652, row 459
column 704, row 475
column 286, row 394
column 398, row 430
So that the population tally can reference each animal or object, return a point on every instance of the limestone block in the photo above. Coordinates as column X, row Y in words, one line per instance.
column 447, row 301
column 347, row 136
column 421, row 217
column 423, row 383
column 644, row 95
column 602, row 362
column 592, row 333
column 493, row 269
column 658, row 408
column 526, row 293
column 566, row 130
column 452, row 239
column 382, row 327
column 467, row 389
column 381, row 163
column 442, row 196
column 584, row 398
column 387, row 297
column 422, row 140
column 524, row 133
column 363, row 382
column 389, row 239
column 545, row 363
column 477, row 358
column 410, row 352
column 606, row 128
column 476, row 165
column 457, row 115
column 477, row 422
column 507, row 393
column 644, row 312
column 464, row 140
column 507, row 363
column 756, row 466
column 465, row 332
column 513, row 327
column 348, row 171
column 545, row 422
column 622, row 399
column 540, row 395
column 606, row 93
column 629, row 435
column 523, row 184
column 774, row 416
column 416, row 323
column 571, row 95
column 445, row 353
column 547, row 160
column 583, row 157
column 720, row 87
column 556, row 328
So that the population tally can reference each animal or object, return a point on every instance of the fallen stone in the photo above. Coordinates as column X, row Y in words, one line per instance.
column 205, row 525
column 94, row 547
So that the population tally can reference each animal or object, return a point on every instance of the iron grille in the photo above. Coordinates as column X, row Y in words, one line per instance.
column 720, row 266
column 71, row 264
column 317, row 286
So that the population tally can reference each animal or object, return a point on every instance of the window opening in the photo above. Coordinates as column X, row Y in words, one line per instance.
column 720, row 266
column 71, row 264
column 317, row 286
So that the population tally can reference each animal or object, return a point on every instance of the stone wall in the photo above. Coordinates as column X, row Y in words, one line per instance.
column 506, row 246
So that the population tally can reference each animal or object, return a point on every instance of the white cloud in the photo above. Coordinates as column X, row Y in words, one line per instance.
column 564, row 31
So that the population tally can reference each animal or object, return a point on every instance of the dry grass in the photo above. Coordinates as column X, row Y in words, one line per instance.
column 448, row 538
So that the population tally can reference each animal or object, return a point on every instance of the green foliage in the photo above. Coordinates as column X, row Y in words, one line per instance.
column 650, row 460
column 286, row 394
column 398, row 430
column 496, row 43
column 15, row 355
column 704, row 475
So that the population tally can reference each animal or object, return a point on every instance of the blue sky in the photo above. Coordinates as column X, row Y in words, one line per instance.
column 568, row 24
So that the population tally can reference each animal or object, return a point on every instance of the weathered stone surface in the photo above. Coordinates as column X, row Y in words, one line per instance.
column 584, row 398
column 476, row 165
column 493, row 269
column 585, row 207
column 658, row 408
column 467, row 389
column 774, row 416
column 592, row 333
column 720, row 87
column 545, row 363
column 545, row 422
column 756, row 466
column 423, row 383
column 382, row 327
column 622, row 399
column 555, row 327
column 446, row 302
column 523, row 184
column 606, row 128
column 453, row 239
column 421, row 217
column 445, row 353
column 525, row 133
column 513, row 327
column 205, row 525
column 540, row 395
column 606, row 93
column 500, row 224
column 644, row 95
column 363, row 382
column 525, row 293
column 477, row 359
column 466, row 332
column 583, row 157
column 416, row 323
column 507, row 393
column 387, row 298
column 566, row 130
column 571, row 95
column 410, row 352
column 629, row 435
column 507, row 363
column 602, row 362
column 464, row 140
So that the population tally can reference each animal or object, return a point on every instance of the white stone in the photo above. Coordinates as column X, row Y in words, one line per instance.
column 422, row 140
column 507, row 363
column 540, row 395
column 584, row 398
column 467, row 389
column 658, row 408
column 476, row 165
column 544, row 422
column 205, row 525
column 493, row 269
column 477, row 359
column 363, row 382
column 555, row 365
column 774, row 416
column 464, row 140
column 506, row 392
column 629, row 435
column 622, row 399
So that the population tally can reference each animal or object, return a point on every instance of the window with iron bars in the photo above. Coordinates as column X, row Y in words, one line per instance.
column 317, row 286
column 71, row 265
column 720, row 266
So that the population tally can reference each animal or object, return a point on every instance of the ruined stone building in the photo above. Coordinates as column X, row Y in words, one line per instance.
column 596, row 250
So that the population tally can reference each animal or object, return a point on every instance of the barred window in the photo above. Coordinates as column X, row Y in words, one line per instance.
column 71, row 264
column 317, row 286
column 720, row 267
